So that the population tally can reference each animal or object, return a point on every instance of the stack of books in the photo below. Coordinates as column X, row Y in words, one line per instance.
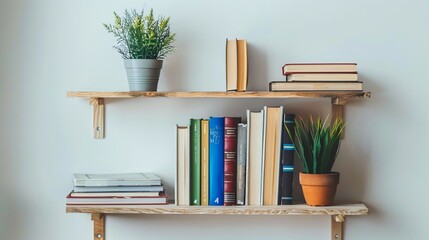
column 224, row 161
column 122, row 189
column 318, row 77
column 236, row 65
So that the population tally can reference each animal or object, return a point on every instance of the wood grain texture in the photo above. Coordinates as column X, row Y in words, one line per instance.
column 337, row 108
column 99, row 226
column 98, row 118
column 258, row 94
column 336, row 228
column 300, row 209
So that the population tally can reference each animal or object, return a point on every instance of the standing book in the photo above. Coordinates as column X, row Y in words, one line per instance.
column 287, row 156
column 241, row 65
column 182, row 168
column 195, row 158
column 230, row 160
column 216, row 161
column 204, row 162
column 241, row 163
column 231, row 65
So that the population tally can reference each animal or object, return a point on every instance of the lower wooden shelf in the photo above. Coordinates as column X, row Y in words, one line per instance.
column 338, row 213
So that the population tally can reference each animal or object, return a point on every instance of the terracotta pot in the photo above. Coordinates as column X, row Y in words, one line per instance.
column 319, row 189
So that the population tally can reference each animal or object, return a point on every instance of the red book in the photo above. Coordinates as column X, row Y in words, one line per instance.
column 230, row 157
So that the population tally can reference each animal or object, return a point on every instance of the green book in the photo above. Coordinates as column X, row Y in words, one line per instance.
column 195, row 159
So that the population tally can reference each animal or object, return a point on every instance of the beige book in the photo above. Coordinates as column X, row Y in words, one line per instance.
column 182, row 168
column 272, row 154
column 280, row 86
column 241, row 65
column 319, row 67
column 322, row 77
column 231, row 65
column 204, row 162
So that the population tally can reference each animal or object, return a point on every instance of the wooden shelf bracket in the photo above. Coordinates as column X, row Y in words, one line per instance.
column 99, row 225
column 97, row 117
column 338, row 110
column 337, row 227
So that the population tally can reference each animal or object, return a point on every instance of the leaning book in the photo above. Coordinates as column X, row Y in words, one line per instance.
column 111, row 180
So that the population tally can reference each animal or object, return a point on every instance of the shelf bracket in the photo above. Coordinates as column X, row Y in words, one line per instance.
column 97, row 117
column 337, row 227
column 99, row 223
column 338, row 110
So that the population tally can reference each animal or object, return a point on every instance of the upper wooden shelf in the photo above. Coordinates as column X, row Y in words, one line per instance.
column 299, row 209
column 257, row 94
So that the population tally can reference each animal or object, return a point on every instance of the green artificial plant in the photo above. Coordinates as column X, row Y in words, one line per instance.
column 141, row 36
column 317, row 143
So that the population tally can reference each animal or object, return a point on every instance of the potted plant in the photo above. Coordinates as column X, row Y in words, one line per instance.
column 317, row 144
column 143, row 42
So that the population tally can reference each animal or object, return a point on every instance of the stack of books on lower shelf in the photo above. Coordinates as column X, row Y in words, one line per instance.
column 117, row 189
column 318, row 77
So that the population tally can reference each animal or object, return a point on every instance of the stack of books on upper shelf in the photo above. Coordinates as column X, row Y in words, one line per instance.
column 318, row 77
column 236, row 65
column 117, row 189
column 226, row 161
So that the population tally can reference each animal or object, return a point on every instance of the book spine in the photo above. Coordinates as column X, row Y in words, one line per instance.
column 216, row 161
column 204, row 162
column 195, row 159
column 230, row 160
column 241, row 162
column 287, row 166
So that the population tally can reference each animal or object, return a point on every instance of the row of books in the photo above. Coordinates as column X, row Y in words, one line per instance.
column 222, row 161
column 319, row 77
column 236, row 65
column 121, row 189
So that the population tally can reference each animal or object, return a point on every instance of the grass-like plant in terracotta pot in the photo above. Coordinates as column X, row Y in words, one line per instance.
column 316, row 145
column 143, row 41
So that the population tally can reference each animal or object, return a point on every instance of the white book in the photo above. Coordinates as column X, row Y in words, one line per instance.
column 116, row 179
column 119, row 189
column 182, row 168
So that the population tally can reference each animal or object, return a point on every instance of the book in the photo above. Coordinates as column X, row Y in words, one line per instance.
column 242, row 69
column 230, row 160
column 116, row 179
column 114, row 194
column 241, row 163
column 182, row 166
column 273, row 127
column 161, row 199
column 346, row 77
column 216, row 160
column 318, row 67
column 119, row 189
column 287, row 157
column 195, row 162
column 231, row 65
column 255, row 132
column 205, row 162
column 283, row 86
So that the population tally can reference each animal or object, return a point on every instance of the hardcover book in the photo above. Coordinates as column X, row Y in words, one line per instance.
column 318, row 67
column 283, row 86
column 322, row 77
column 287, row 156
column 195, row 159
column 241, row 163
column 231, row 65
column 216, row 161
column 114, row 194
column 116, row 179
column 204, row 162
column 230, row 160
column 159, row 188
column 161, row 199
column 182, row 168
column 241, row 65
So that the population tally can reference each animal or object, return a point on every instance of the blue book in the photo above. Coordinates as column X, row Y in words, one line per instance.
column 216, row 161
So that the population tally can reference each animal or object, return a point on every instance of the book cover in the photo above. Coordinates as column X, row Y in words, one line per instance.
column 182, row 166
column 195, row 160
column 230, row 160
column 231, row 65
column 241, row 163
column 287, row 163
column 279, row 86
column 216, row 160
column 205, row 162
column 318, row 67
column 274, row 122
column 116, row 179
column 255, row 128
column 327, row 77
column 242, row 68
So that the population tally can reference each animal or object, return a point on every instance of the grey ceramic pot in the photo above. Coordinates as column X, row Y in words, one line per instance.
column 143, row 74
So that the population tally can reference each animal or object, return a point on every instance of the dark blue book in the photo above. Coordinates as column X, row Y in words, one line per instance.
column 287, row 156
column 216, row 161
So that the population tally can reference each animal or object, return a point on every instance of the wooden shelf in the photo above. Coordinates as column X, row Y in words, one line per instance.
column 337, row 213
column 302, row 94
column 300, row 209
column 338, row 100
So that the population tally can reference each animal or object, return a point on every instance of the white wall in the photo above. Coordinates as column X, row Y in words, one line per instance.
column 49, row 47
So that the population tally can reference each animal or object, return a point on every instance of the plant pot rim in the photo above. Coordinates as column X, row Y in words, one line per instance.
column 331, row 173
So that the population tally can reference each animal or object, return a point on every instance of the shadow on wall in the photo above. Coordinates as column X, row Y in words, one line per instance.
column 257, row 68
